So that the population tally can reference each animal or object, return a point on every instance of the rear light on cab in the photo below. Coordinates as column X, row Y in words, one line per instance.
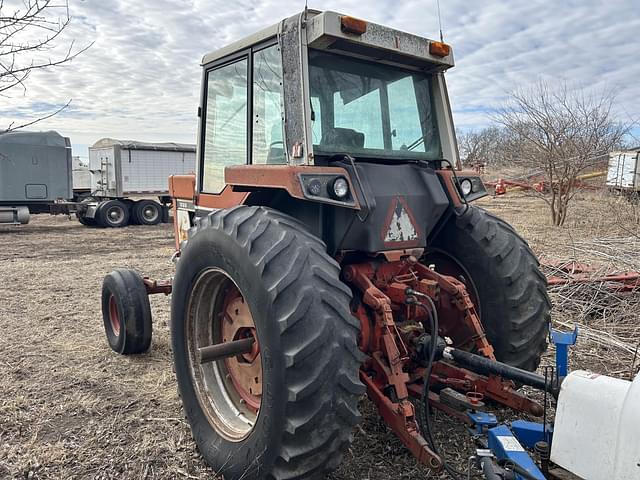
column 439, row 49
column 353, row 25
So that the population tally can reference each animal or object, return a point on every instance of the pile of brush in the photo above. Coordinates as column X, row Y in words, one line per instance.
column 603, row 299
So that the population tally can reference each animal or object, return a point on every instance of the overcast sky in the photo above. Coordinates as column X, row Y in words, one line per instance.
column 140, row 79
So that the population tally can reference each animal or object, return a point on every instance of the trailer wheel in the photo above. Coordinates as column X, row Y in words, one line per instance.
column 126, row 312
column 147, row 212
column 286, row 409
column 504, row 281
column 113, row 214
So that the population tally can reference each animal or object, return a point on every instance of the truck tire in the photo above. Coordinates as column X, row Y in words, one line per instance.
column 112, row 214
column 147, row 212
column 86, row 221
column 126, row 312
column 258, row 271
column 504, row 280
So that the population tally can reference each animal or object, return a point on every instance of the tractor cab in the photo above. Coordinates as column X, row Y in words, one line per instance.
column 328, row 118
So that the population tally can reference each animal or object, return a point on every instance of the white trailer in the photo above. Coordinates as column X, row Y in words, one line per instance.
column 624, row 171
column 124, row 168
column 125, row 177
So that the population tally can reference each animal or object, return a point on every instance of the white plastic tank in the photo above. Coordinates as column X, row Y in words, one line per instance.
column 627, row 463
column 597, row 427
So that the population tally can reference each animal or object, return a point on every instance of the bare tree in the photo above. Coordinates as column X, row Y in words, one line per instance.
column 29, row 33
column 491, row 146
column 562, row 131
column 478, row 146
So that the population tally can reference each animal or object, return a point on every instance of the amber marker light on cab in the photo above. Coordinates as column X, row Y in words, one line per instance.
column 439, row 49
column 353, row 25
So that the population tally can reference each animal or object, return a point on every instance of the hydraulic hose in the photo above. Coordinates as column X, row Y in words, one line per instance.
column 490, row 469
column 517, row 469
column 425, row 421
column 478, row 364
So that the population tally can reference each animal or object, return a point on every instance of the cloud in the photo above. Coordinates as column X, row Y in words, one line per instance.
column 141, row 77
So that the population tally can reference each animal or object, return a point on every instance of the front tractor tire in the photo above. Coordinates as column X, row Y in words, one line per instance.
column 504, row 280
column 286, row 409
column 126, row 312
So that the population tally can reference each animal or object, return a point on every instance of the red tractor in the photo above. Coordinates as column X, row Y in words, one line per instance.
column 327, row 247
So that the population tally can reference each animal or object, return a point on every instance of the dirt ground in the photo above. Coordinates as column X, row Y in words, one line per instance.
column 71, row 408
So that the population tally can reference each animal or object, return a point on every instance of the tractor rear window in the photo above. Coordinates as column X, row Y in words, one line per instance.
column 370, row 109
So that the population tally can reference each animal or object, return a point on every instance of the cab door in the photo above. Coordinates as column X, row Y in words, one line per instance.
column 224, row 129
column 241, row 120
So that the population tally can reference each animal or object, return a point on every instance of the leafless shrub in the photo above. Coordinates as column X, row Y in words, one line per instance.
column 27, row 32
column 563, row 132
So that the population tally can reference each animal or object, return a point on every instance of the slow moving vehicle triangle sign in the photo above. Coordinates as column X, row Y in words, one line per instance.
column 400, row 228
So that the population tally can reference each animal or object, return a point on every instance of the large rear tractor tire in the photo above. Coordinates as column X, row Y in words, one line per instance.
column 126, row 312
column 504, row 280
column 286, row 409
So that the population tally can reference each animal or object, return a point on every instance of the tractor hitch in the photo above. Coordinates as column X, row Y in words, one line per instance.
column 397, row 337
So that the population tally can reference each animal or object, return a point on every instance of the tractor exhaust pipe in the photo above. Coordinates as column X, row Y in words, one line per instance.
column 486, row 366
column 220, row 351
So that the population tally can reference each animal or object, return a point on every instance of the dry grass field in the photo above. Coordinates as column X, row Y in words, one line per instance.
column 71, row 408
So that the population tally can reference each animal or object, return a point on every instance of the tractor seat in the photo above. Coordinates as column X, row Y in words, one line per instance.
column 343, row 137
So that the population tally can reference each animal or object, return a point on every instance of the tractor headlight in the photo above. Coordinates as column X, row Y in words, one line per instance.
column 466, row 187
column 340, row 188
column 327, row 187
column 469, row 187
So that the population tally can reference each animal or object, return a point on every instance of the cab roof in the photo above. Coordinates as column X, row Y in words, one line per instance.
column 324, row 31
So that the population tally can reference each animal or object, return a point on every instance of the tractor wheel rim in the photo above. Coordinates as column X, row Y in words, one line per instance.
column 150, row 213
column 230, row 390
column 245, row 370
column 114, row 317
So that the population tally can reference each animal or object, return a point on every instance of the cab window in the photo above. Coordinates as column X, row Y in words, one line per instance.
column 225, row 136
column 268, row 146
column 316, row 120
column 370, row 109
column 406, row 124
column 362, row 114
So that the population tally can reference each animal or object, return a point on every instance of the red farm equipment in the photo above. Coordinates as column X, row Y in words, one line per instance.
column 538, row 183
